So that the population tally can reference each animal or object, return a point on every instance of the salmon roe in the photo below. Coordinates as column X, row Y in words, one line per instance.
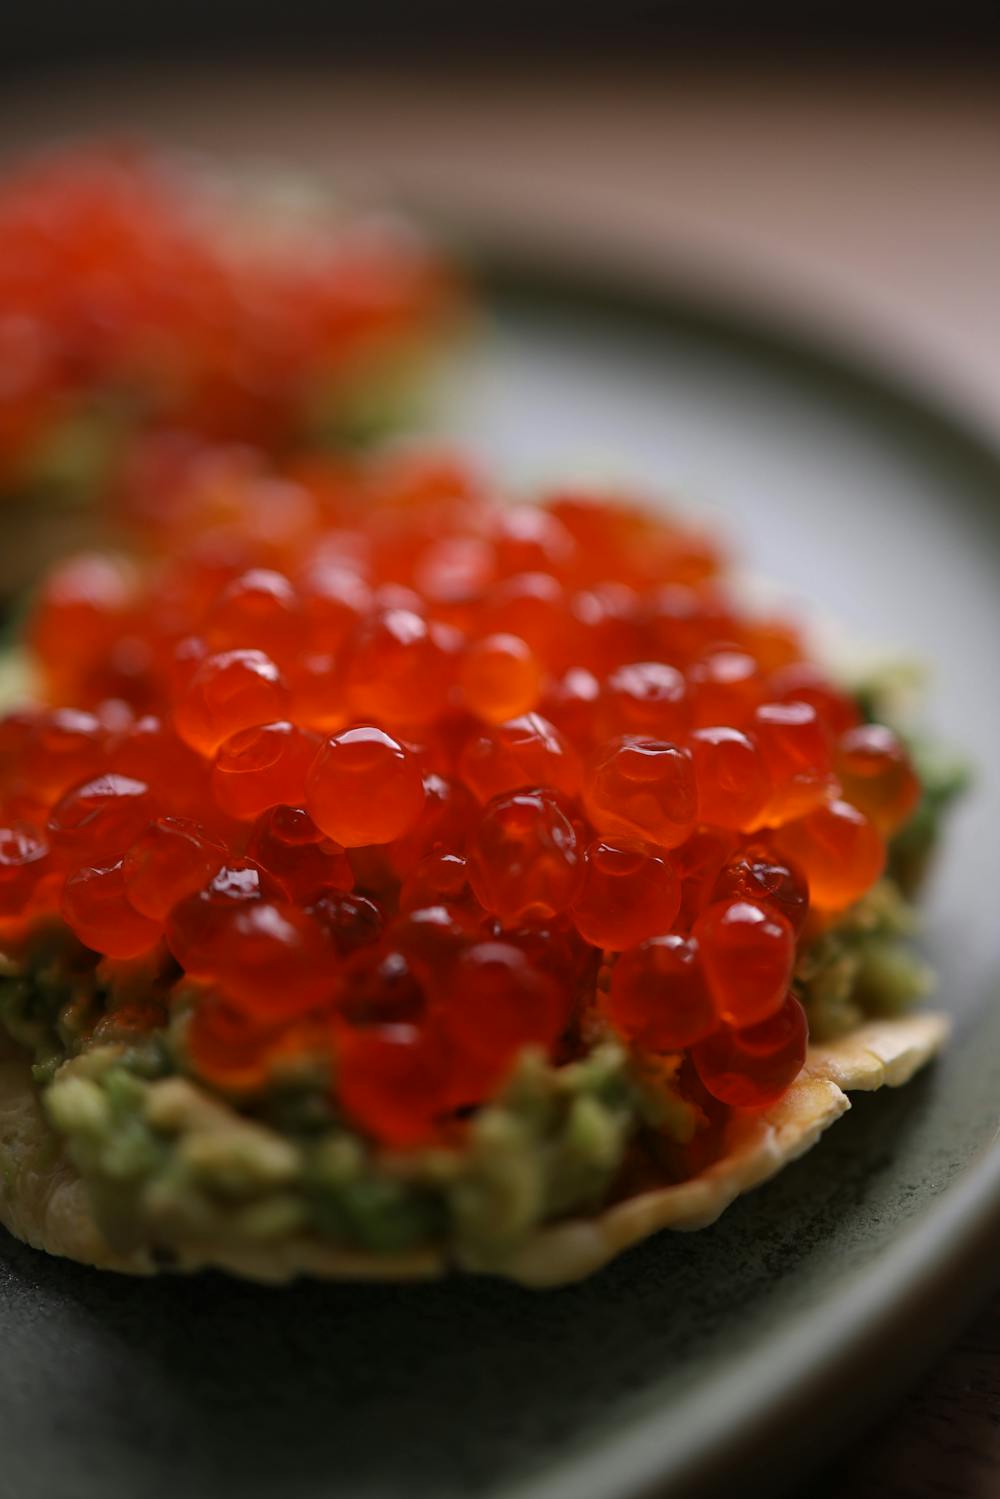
column 643, row 788
column 24, row 857
column 526, row 751
column 171, row 858
column 123, row 274
column 525, row 860
column 751, row 1068
column 629, row 893
column 405, row 783
column 876, row 775
column 228, row 692
column 364, row 787
column 500, row 677
column 260, row 767
column 659, row 997
column 747, row 955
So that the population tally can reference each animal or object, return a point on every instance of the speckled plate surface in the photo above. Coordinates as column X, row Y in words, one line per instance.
column 747, row 1348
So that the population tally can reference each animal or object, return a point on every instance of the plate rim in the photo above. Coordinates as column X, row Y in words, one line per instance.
column 914, row 1297
column 718, row 294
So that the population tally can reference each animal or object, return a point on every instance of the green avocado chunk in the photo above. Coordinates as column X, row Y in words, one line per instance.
column 169, row 1163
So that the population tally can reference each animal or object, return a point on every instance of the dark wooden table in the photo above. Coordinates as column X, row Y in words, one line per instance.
column 942, row 1441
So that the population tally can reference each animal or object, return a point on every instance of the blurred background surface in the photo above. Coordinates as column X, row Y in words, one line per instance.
column 846, row 188
column 62, row 29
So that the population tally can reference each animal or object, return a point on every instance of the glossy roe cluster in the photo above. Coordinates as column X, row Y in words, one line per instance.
column 420, row 778
column 129, row 287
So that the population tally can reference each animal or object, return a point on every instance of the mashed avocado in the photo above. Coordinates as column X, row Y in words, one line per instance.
column 169, row 1162
column 863, row 967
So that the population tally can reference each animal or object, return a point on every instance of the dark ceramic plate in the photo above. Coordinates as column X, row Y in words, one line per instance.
column 743, row 1349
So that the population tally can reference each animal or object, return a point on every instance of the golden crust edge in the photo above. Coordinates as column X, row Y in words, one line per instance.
column 43, row 1200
